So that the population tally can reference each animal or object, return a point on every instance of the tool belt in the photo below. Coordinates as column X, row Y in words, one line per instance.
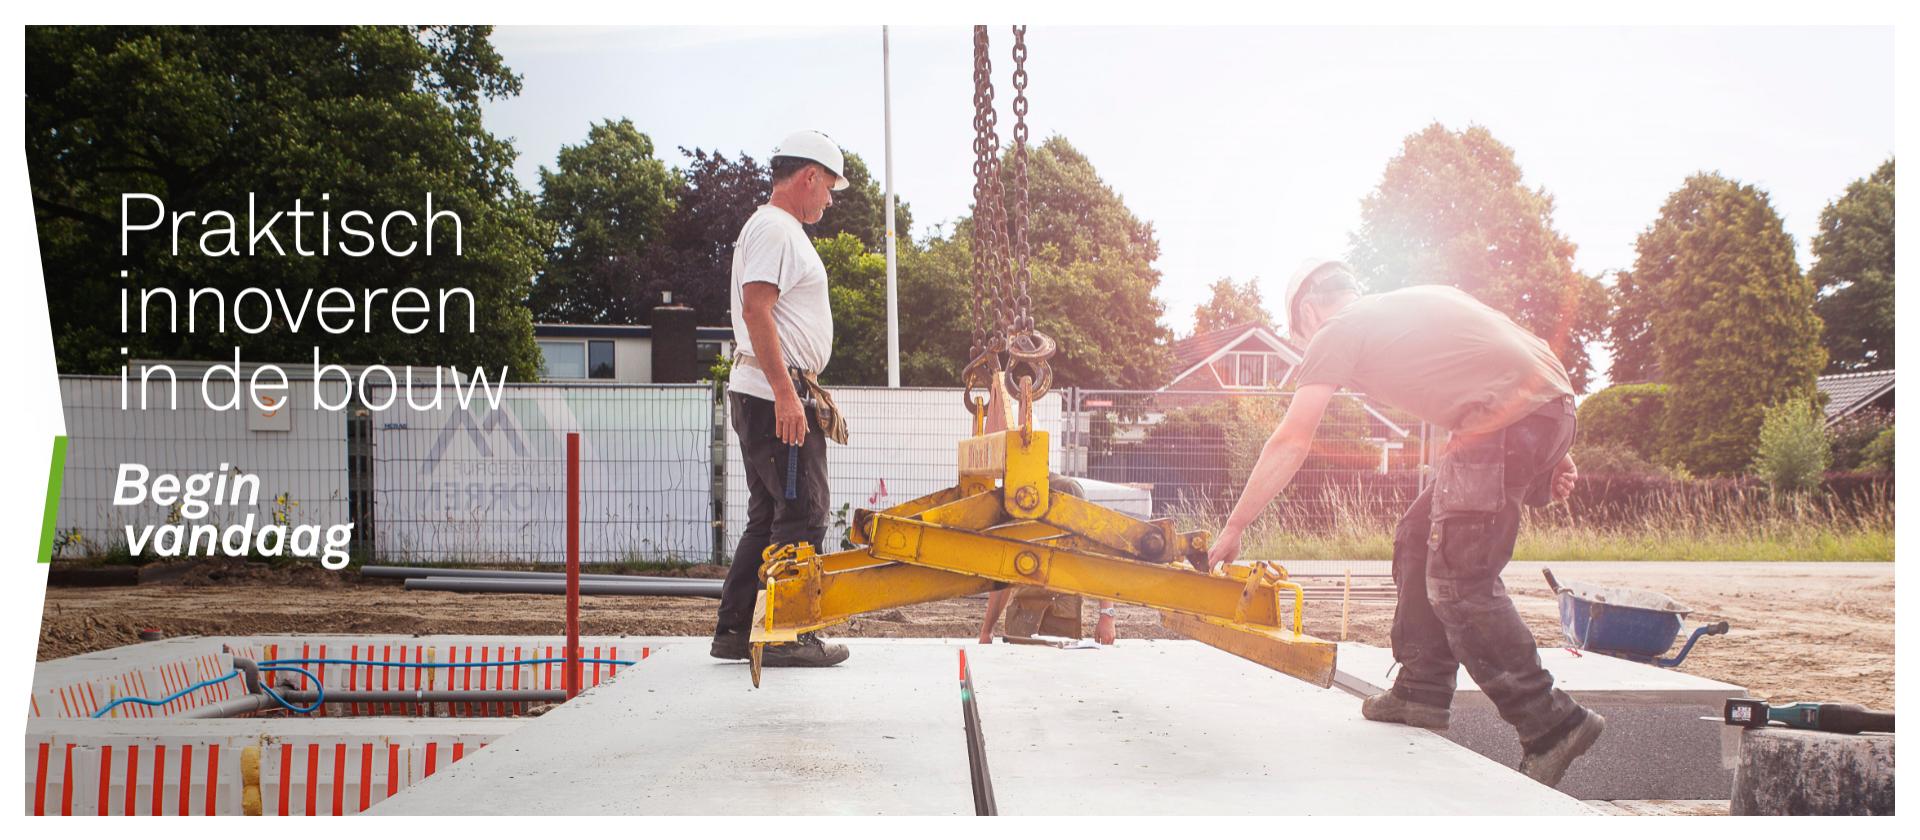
column 806, row 383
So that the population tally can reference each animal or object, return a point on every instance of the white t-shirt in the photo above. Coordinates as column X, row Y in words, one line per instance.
column 774, row 248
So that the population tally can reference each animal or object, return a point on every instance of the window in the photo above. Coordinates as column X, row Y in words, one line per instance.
column 599, row 360
column 1252, row 370
column 707, row 351
column 563, row 360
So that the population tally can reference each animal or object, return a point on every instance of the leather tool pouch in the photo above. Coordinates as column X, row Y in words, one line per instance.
column 833, row 424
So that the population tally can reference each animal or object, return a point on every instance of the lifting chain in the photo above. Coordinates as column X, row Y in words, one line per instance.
column 1002, row 250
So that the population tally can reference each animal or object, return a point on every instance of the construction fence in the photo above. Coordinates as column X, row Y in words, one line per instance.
column 433, row 481
column 1193, row 451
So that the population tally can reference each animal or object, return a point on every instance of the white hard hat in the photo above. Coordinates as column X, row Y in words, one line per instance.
column 1312, row 269
column 816, row 147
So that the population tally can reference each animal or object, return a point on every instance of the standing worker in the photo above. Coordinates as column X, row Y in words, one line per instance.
column 1439, row 354
column 783, row 329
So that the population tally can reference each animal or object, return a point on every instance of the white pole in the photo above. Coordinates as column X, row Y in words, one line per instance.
column 893, row 283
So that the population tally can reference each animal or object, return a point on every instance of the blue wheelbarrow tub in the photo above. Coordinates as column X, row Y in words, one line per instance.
column 1617, row 620
column 1636, row 624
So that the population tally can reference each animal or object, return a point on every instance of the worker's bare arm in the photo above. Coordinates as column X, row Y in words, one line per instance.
column 789, row 418
column 1279, row 460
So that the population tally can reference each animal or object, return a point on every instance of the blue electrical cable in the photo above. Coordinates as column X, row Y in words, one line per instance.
column 320, row 689
column 164, row 700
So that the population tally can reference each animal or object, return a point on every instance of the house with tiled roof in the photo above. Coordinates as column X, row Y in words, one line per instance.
column 1152, row 439
column 1241, row 359
column 1847, row 393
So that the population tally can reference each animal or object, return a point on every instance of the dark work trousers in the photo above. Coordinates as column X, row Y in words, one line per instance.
column 1448, row 552
column 772, row 519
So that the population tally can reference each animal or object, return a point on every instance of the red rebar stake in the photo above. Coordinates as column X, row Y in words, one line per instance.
column 572, row 666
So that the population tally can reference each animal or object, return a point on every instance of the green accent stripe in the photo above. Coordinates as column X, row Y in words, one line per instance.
column 56, row 475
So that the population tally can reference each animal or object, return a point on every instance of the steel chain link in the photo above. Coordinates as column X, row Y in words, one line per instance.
column 1001, row 247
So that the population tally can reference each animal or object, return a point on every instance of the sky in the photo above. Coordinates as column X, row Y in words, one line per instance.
column 1250, row 148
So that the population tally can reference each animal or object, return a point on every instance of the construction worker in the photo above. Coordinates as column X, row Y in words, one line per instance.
column 1436, row 352
column 783, row 333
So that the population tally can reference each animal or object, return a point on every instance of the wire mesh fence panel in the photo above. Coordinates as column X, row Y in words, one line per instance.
column 903, row 444
column 1193, row 452
column 286, row 467
column 488, row 484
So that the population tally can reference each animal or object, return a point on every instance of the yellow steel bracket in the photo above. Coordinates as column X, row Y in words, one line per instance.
column 1245, row 610
column 1300, row 656
column 1017, row 462
column 851, row 583
column 791, row 560
column 1116, row 531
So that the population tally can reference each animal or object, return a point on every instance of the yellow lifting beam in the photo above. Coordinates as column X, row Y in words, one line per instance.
column 1002, row 524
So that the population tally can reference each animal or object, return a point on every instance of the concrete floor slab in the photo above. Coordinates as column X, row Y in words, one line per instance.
column 1656, row 746
column 689, row 734
column 1176, row 727
column 1145, row 727
column 1585, row 674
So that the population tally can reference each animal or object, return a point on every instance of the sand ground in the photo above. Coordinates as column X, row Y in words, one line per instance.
column 1801, row 631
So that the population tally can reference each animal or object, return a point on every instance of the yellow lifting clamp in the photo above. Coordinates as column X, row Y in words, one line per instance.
column 1002, row 524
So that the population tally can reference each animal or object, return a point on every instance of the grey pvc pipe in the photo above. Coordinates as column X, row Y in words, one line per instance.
column 251, row 670
column 227, row 708
column 524, row 586
column 410, row 572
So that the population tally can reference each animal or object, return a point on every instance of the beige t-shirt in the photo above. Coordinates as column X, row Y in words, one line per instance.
column 1438, row 353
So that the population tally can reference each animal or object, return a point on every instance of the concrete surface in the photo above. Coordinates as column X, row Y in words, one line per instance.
column 1799, row 772
column 1656, row 746
column 1143, row 728
column 689, row 734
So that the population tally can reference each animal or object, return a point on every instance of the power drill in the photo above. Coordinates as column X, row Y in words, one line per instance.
column 1847, row 718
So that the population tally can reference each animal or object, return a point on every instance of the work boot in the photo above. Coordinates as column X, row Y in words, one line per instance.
column 1547, row 764
column 808, row 652
column 729, row 645
column 1388, row 707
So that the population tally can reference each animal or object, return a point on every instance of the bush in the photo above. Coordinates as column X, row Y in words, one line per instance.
column 1626, row 416
column 1850, row 436
column 1614, row 459
column 1793, row 450
column 1878, row 455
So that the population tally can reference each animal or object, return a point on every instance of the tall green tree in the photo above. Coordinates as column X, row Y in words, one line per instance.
column 1451, row 209
column 861, row 209
column 857, row 287
column 713, row 199
column 1853, row 274
column 1731, row 320
column 1231, row 304
column 607, row 201
column 1635, row 359
column 344, row 118
column 1092, row 283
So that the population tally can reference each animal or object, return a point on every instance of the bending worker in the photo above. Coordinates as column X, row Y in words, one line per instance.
column 783, row 329
column 1438, row 353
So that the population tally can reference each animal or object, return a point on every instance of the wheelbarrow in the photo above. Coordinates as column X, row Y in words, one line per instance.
column 1633, row 624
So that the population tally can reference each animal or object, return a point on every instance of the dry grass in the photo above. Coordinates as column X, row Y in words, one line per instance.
column 1715, row 523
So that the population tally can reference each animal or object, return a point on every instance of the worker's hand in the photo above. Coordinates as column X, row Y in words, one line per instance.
column 1103, row 631
column 1226, row 548
column 789, row 419
column 1564, row 475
